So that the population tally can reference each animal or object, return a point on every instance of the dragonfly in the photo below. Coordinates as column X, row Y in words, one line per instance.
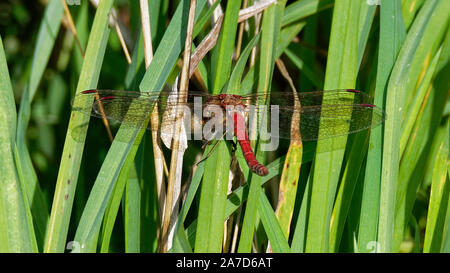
column 317, row 115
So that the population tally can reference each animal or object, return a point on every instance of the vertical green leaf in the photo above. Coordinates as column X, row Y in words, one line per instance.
column 74, row 144
column 392, row 33
column 341, row 73
column 16, row 227
column 127, row 136
column 48, row 32
column 439, row 196
column 420, row 42
column 276, row 235
column 213, row 197
column 215, row 180
column 270, row 28
column 412, row 167
column 222, row 52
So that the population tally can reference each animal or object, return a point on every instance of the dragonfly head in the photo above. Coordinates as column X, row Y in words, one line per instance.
column 230, row 100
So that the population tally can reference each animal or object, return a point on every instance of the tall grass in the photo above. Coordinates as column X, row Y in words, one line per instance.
column 65, row 187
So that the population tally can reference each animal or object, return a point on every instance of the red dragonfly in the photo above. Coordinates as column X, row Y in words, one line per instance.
column 335, row 112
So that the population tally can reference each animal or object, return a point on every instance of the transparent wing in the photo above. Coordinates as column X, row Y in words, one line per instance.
column 333, row 120
column 132, row 107
column 335, row 112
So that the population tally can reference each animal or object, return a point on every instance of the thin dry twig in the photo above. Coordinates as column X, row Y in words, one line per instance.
column 159, row 160
column 175, row 170
column 114, row 21
column 210, row 40
column 218, row 12
column 104, row 119
column 240, row 34
column 118, row 28
column 251, row 11
column 295, row 122
column 72, row 27
column 74, row 32
column 205, row 46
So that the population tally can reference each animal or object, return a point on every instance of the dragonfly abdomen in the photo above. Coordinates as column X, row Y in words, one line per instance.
column 250, row 158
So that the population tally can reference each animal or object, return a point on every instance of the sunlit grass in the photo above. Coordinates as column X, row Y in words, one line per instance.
column 66, row 187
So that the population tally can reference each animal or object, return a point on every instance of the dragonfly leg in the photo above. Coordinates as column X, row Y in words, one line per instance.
column 212, row 149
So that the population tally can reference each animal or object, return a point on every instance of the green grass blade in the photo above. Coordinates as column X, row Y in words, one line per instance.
column 215, row 179
column 180, row 242
column 287, row 34
column 8, row 106
column 234, row 85
column 434, row 32
column 308, row 55
column 302, row 9
column 16, row 227
column 346, row 189
column 238, row 196
column 357, row 151
column 445, row 248
column 413, row 164
column 145, row 190
column 392, row 34
column 48, row 32
column 127, row 175
column 169, row 49
column 299, row 236
column 409, row 10
column 203, row 20
column 270, row 28
column 150, row 218
column 73, row 147
column 127, row 136
column 113, row 207
column 314, row 76
column 416, row 104
column 287, row 192
column 341, row 73
column 276, row 235
column 395, row 95
column 439, row 197
column 367, row 14
column 213, row 196
column 132, row 213
column 421, row 44
column 222, row 52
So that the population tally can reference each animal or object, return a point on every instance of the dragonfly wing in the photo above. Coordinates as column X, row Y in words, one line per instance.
column 127, row 107
column 336, row 112
column 332, row 120
column 336, row 120
column 168, row 123
column 315, row 98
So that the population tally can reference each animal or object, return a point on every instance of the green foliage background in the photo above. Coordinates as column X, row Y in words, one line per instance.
column 66, row 187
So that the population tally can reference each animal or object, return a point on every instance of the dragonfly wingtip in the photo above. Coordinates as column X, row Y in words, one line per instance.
column 368, row 105
column 90, row 91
